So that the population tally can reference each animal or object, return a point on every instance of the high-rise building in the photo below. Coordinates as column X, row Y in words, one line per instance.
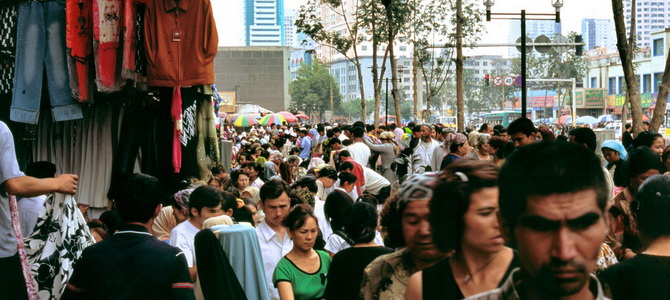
column 290, row 30
column 598, row 33
column 264, row 22
column 534, row 28
column 651, row 16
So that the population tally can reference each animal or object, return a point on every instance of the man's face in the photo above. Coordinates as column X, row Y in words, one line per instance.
column 276, row 209
column 520, row 139
column 426, row 133
column 489, row 130
column 205, row 213
column 251, row 171
column 348, row 134
column 336, row 146
column 349, row 187
column 558, row 239
column 645, row 127
column 505, row 136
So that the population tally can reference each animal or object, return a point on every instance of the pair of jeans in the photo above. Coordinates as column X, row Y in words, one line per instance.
column 40, row 43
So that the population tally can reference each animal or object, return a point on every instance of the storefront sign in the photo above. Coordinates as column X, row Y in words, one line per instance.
column 228, row 103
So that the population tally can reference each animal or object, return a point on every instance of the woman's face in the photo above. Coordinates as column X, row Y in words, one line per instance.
column 492, row 151
column 611, row 156
column 483, row 148
column 658, row 145
column 215, row 184
column 179, row 215
column 304, row 237
column 416, row 230
column 242, row 181
column 464, row 149
column 482, row 229
column 254, row 213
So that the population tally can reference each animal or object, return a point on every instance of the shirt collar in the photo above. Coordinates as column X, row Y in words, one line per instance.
column 508, row 289
column 171, row 4
column 133, row 228
column 267, row 231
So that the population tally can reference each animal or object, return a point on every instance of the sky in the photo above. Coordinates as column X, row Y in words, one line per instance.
column 572, row 13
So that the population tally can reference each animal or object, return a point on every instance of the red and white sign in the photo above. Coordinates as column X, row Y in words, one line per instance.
column 498, row 80
column 509, row 80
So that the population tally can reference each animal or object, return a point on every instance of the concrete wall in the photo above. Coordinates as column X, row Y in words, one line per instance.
column 260, row 75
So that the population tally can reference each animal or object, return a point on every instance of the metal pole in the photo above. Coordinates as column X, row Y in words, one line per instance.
column 523, row 63
column 502, row 98
column 387, row 104
column 574, row 103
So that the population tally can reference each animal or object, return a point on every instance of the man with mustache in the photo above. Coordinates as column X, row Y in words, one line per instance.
column 553, row 199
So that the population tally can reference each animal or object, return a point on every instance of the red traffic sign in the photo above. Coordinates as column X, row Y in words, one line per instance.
column 498, row 80
column 517, row 80
column 509, row 80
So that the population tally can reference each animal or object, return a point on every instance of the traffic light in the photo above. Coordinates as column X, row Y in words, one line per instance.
column 579, row 48
column 487, row 79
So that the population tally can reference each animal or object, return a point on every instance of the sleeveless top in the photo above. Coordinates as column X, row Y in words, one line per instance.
column 439, row 282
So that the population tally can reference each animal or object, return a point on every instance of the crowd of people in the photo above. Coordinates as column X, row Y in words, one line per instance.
column 363, row 212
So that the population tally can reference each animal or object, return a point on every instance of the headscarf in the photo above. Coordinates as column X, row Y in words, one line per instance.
column 616, row 146
column 389, row 136
column 254, row 192
column 417, row 186
column 181, row 199
column 455, row 139
column 315, row 162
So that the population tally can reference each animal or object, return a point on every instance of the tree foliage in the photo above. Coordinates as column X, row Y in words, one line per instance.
column 310, row 91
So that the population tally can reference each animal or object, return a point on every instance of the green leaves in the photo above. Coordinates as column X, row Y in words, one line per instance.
column 310, row 91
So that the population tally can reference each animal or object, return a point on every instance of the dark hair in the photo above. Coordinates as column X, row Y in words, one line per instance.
column 329, row 133
column 246, row 155
column 645, row 138
column 484, row 126
column 229, row 201
column 328, row 172
column 41, row 169
column 345, row 153
column 391, row 221
column 336, row 130
column 137, row 198
column 273, row 189
column 334, row 141
column 451, row 199
column 547, row 135
column 585, row 136
column 652, row 206
column 499, row 127
column 98, row 227
column 361, row 223
column 347, row 177
column 499, row 144
column 112, row 220
column 358, row 132
column 641, row 160
column 547, row 168
column 628, row 126
column 347, row 165
column 218, row 169
column 204, row 196
column 285, row 173
column 235, row 175
column 335, row 208
column 392, row 126
column 256, row 166
column 297, row 217
column 523, row 125
column 243, row 214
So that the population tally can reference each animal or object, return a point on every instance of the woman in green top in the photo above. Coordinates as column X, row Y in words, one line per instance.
column 301, row 274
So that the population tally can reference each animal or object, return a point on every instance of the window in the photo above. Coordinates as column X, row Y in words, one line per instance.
column 658, row 77
column 594, row 82
column 658, row 47
column 611, row 86
column 403, row 48
column 364, row 48
column 486, row 63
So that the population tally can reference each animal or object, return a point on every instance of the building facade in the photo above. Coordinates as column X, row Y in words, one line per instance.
column 598, row 33
column 651, row 16
column 264, row 23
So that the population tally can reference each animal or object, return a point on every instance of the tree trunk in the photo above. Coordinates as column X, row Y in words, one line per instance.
column 394, row 74
column 626, row 55
column 459, row 65
column 662, row 100
column 375, row 78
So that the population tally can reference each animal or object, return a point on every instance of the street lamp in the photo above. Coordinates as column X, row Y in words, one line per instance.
column 557, row 4
column 488, row 4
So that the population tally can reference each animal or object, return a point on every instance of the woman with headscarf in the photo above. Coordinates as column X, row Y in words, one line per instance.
column 623, row 237
column 252, row 193
column 389, row 150
column 458, row 148
column 615, row 155
column 482, row 148
column 405, row 218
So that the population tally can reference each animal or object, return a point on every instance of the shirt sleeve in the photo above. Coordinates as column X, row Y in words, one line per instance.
column 182, row 288
column 177, row 239
column 282, row 273
column 9, row 168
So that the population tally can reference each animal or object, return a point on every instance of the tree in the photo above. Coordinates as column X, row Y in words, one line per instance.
column 344, row 42
column 626, row 53
column 310, row 91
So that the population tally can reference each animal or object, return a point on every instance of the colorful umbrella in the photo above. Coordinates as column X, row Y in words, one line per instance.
column 606, row 118
column 302, row 116
column 244, row 121
column 565, row 120
column 587, row 120
column 272, row 118
column 290, row 118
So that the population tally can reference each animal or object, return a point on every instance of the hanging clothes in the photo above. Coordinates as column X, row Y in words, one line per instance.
column 216, row 275
column 107, row 32
column 79, row 43
column 60, row 236
column 8, row 20
column 207, row 154
column 40, row 44
column 244, row 253
column 129, row 39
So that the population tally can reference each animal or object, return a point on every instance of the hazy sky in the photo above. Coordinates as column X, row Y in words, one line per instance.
column 572, row 13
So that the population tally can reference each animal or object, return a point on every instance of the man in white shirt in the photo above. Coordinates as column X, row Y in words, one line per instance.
column 374, row 182
column 425, row 149
column 358, row 150
column 204, row 202
column 273, row 237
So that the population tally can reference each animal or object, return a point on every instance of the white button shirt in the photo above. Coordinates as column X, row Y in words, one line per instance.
column 272, row 250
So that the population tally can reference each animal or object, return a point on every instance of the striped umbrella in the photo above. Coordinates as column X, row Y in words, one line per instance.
column 302, row 116
column 244, row 121
column 272, row 118
column 291, row 118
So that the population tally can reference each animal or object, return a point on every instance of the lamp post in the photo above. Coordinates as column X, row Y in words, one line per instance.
column 557, row 4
